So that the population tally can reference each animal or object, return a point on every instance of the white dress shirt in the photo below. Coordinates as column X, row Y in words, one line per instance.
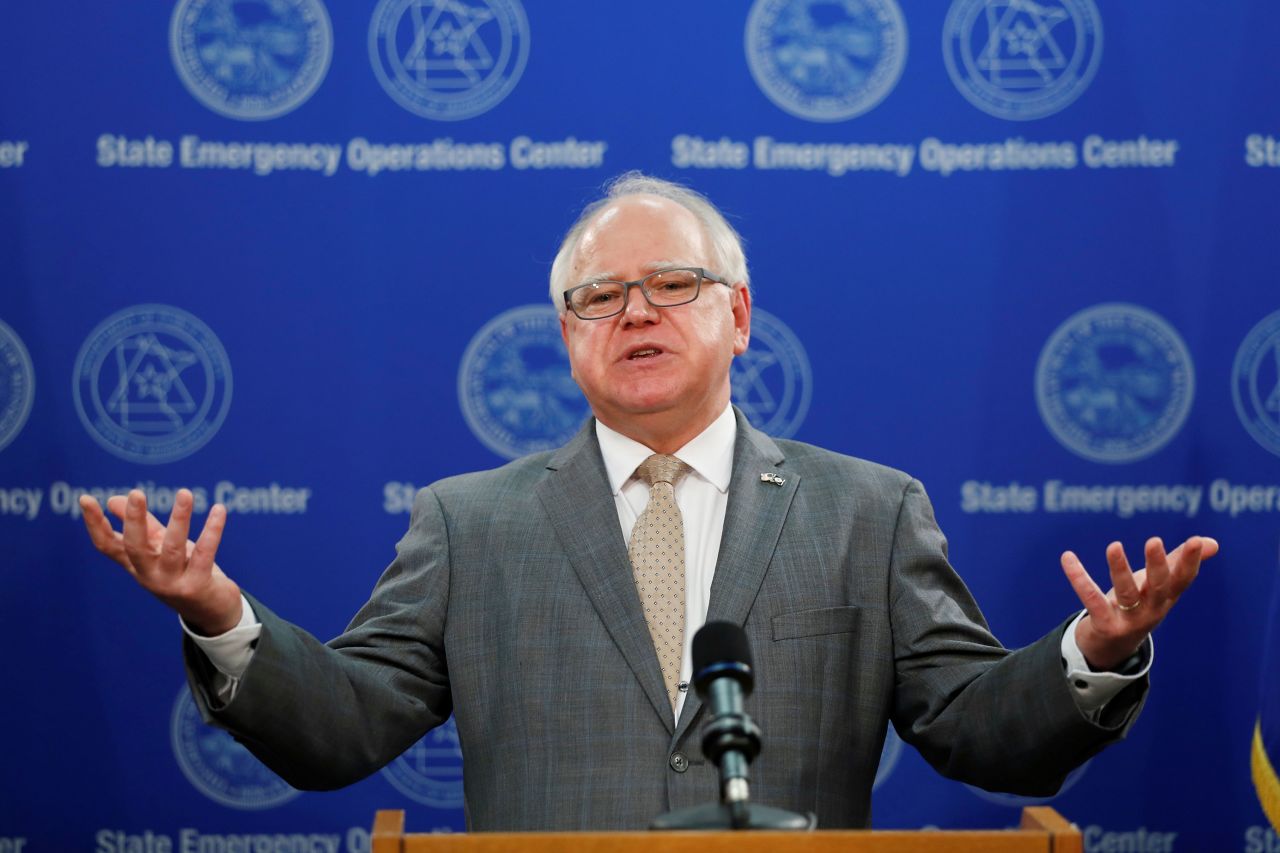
column 703, row 497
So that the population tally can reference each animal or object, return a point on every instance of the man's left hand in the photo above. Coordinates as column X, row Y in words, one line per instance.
column 1118, row 622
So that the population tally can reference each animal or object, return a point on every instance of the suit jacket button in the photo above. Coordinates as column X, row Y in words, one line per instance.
column 679, row 762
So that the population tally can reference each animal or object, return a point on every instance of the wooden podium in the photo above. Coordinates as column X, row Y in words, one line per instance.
column 1043, row 830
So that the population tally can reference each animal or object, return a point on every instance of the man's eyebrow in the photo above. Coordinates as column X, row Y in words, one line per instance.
column 652, row 266
column 669, row 265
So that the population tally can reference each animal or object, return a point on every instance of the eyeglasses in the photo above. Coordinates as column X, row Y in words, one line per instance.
column 597, row 300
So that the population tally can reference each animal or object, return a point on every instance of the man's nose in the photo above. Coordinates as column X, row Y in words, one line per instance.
column 636, row 308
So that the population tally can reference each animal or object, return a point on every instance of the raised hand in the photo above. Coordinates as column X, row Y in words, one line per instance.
column 179, row 572
column 1119, row 621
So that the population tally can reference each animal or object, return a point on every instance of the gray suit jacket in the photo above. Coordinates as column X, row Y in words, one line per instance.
column 511, row 603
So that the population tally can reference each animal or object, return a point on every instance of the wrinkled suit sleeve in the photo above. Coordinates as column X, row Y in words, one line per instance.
column 997, row 719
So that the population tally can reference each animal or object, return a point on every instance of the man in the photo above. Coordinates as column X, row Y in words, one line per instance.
column 555, row 623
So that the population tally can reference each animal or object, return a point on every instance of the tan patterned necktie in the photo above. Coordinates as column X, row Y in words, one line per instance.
column 657, row 558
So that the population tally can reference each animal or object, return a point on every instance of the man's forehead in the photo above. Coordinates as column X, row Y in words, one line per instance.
column 639, row 204
column 636, row 224
column 644, row 267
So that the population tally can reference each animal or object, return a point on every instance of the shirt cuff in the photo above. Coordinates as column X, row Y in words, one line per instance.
column 1092, row 690
column 231, row 652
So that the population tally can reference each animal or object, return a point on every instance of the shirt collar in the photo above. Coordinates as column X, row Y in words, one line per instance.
column 709, row 454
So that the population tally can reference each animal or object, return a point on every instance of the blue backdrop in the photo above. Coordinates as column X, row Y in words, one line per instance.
column 293, row 254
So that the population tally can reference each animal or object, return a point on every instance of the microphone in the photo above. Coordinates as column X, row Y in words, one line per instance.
column 723, row 677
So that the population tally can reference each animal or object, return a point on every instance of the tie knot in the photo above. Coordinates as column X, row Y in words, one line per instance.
column 660, row 468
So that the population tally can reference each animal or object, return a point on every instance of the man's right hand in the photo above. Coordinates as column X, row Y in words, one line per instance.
column 179, row 572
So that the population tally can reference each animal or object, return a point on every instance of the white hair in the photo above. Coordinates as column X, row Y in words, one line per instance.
column 726, row 244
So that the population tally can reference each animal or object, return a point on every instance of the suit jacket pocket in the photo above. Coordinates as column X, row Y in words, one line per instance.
column 816, row 623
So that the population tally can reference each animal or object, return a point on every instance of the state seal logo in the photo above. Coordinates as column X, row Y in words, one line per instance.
column 219, row 767
column 1022, row 59
column 448, row 59
column 430, row 771
column 17, row 385
column 515, row 386
column 1255, row 382
column 826, row 61
column 1114, row 383
column 152, row 384
column 251, row 59
column 772, row 382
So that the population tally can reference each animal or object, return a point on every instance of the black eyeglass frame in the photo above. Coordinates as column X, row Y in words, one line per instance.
column 703, row 275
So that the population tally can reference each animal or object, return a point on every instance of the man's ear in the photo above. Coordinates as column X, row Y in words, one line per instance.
column 564, row 336
column 741, row 308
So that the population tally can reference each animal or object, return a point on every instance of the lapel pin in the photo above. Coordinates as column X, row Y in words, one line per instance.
column 770, row 477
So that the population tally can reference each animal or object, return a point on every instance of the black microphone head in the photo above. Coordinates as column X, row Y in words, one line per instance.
column 721, row 649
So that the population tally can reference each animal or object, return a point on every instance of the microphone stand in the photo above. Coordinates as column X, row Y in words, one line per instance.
column 731, row 741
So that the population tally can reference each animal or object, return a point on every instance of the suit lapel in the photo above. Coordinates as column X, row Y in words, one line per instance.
column 578, row 502
column 752, row 525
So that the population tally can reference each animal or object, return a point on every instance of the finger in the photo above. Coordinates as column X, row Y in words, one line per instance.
column 1122, row 581
column 95, row 522
column 136, row 542
column 210, row 537
column 1188, row 565
column 103, row 536
column 118, row 506
column 1093, row 599
column 1157, row 565
column 173, row 548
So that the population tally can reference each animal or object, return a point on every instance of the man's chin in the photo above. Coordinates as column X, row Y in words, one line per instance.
column 644, row 406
